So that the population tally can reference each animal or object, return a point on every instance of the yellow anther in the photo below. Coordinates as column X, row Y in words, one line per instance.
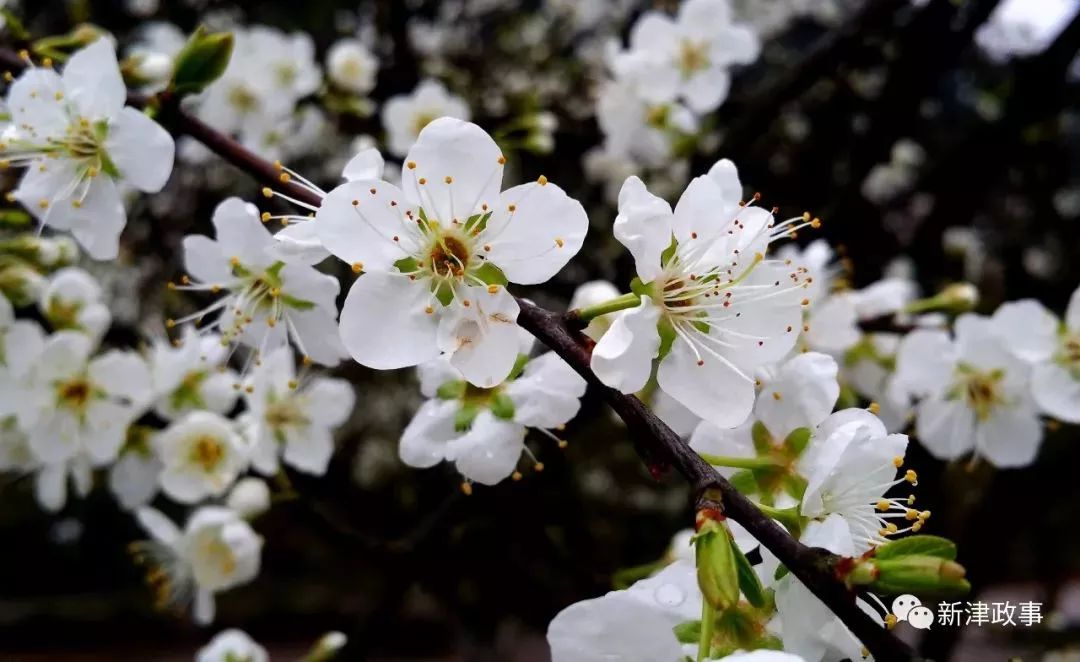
column 267, row 192
column 502, row 160
column 805, row 302
column 512, row 208
column 883, row 505
column 449, row 179
column 293, row 384
column 776, row 395
column 874, row 408
column 59, row 96
column 924, row 515
column 515, row 476
column 910, row 476
column 493, row 289
column 429, row 310
column 265, row 216
column 890, row 621
column 539, row 466
column 422, row 181
column 306, row 360
column 249, row 389
column 559, row 242
column 357, row 267
column 916, row 526
column 562, row 443
column 898, row 461
column 77, row 204
column 170, row 323
column 542, row 180
column 411, row 165
column 466, row 488
column 43, row 203
column 816, row 223
column 911, row 514
column 234, row 261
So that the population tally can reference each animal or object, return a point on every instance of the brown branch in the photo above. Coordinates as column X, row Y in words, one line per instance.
column 654, row 441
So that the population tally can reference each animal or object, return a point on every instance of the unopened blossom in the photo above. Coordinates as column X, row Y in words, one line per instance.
column 404, row 116
column 191, row 374
column 688, row 56
column 73, row 301
column 82, row 146
column 974, row 393
column 293, row 416
column 232, row 646
column 482, row 430
column 202, row 454
column 264, row 301
column 217, row 550
column 1052, row 346
column 250, row 497
column 434, row 256
column 724, row 307
column 74, row 404
column 351, row 66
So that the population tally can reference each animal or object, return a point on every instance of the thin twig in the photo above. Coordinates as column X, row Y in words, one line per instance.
column 654, row 441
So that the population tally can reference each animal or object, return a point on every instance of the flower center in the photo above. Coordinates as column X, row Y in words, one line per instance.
column 420, row 120
column 75, row 393
column 284, row 413
column 1069, row 353
column 241, row 98
column 286, row 74
column 207, row 452
column 449, row 257
column 982, row 390
column 693, row 57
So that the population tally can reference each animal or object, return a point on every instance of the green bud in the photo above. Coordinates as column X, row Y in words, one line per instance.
column 451, row 390
column 502, row 406
column 921, row 575
column 749, row 582
column 717, row 572
column 21, row 284
column 956, row 298
column 327, row 647
column 201, row 61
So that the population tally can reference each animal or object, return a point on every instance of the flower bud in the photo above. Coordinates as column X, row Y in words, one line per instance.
column 956, row 298
column 201, row 61
column 327, row 647
column 920, row 575
column 717, row 571
column 250, row 497
column 147, row 68
column 21, row 284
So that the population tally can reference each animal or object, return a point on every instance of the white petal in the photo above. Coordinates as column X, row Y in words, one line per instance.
column 1072, row 312
column 424, row 441
column 330, row 401
column 122, row 374
column 945, row 427
column 462, row 152
column 802, row 394
column 299, row 242
column 884, row 297
column 1028, row 328
column 832, row 534
column 643, row 226
column 1056, row 391
column 710, row 387
column 93, row 82
column 104, row 431
column 834, row 323
column 364, row 234
column 203, row 610
column 706, row 89
column 50, row 486
column 489, row 451
column 536, row 240
column 384, row 324
column 1010, row 437
column 204, row 260
column 161, row 528
column 547, row 394
column 31, row 100
column 925, row 361
column 711, row 439
column 317, row 332
column 623, row 357
column 310, row 450
column 614, row 627
column 141, row 149
column 241, row 234
column 367, row 164
column 482, row 339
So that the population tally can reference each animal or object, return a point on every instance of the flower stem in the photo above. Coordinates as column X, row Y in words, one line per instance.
column 708, row 622
column 740, row 462
column 589, row 313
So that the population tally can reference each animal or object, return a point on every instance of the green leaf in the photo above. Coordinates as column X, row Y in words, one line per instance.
column 749, row 583
column 917, row 546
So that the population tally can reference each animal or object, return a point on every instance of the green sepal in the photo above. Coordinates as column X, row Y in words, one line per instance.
column 464, row 417
column 797, row 440
column 490, row 274
column 669, row 252
column 781, row 572
column 519, row 367
column 688, row 632
column 477, row 223
column 745, row 482
column 444, row 292
column 295, row 303
column 667, row 337
column 920, row 545
column 407, row 265
column 749, row 583
column 451, row 390
column 639, row 288
column 502, row 406
column 762, row 438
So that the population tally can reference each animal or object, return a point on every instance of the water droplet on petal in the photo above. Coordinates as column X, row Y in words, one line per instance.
column 669, row 595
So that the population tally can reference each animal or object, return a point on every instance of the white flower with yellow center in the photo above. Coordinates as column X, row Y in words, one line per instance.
column 436, row 253
column 293, row 416
column 232, row 646
column 404, row 116
column 73, row 301
column 190, row 374
column 707, row 300
column 80, row 145
column 216, row 551
column 687, row 57
column 202, row 456
column 267, row 301
column 351, row 66
column 21, row 342
column 1052, row 346
column 72, row 404
column 975, row 393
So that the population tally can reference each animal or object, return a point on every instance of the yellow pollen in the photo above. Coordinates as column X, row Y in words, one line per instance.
column 306, row 360
column 898, row 461
column 883, row 505
column 563, row 443
column 449, row 179
column 910, row 476
column 816, row 223
column 43, row 203
column 411, row 165
column 512, row 208
column 924, row 515
column 890, row 621
column 422, row 181
column 542, row 180
column 559, row 242
column 466, row 488
column 874, row 408
column 493, row 289
column 516, row 475
column 911, row 514
column 293, row 384
column 538, row 467
column 429, row 310
column 77, row 204
column 284, row 177
column 234, row 261
column 267, row 192
column 502, row 160
column 805, row 302
column 357, row 267
column 59, row 96
column 776, row 395
column 265, row 216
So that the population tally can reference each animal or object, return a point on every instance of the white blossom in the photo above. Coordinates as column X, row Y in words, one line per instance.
column 202, row 456
column 351, row 66
column 405, row 116
column 232, row 646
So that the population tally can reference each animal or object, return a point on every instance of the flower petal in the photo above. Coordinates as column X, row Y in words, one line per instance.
column 1029, row 330
column 161, row 528
column 483, row 338
column 384, row 323
column 1010, row 437
column 707, row 385
column 32, row 102
column 367, row 164
column 374, row 233
column 141, row 149
column 424, row 441
column 643, row 226
column 93, row 82
column 623, row 357
column 489, row 451
column 946, row 428
column 1056, row 392
column 801, row 395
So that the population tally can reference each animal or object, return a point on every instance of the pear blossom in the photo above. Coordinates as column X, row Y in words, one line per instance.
column 351, row 66
column 73, row 404
column 73, row 301
column 687, row 56
column 404, row 116
column 202, row 454
column 191, row 375
column 82, row 146
column 293, row 416
column 707, row 286
column 1036, row 336
column 267, row 301
column 232, row 646
column 217, row 550
column 482, row 430
column 974, row 393
column 434, row 255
